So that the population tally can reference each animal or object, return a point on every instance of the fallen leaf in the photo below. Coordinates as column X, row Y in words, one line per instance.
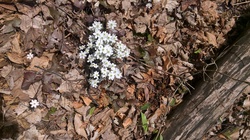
column 21, row 108
column 170, row 5
column 78, row 123
column 35, row 117
column 30, row 77
column 86, row 100
column 15, row 57
column 211, row 39
column 42, row 62
column 127, row 122
column 77, row 104
column 31, row 134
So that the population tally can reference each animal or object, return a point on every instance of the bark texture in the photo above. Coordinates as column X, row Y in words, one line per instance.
column 195, row 116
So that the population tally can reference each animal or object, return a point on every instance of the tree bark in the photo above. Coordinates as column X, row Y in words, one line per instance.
column 198, row 113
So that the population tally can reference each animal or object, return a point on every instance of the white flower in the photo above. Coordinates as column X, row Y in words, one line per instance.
column 104, row 72
column 111, row 76
column 106, row 63
column 91, row 58
column 107, row 50
column 30, row 56
column 90, row 45
column 93, row 82
column 82, row 47
column 94, row 65
column 97, row 34
column 149, row 5
column 116, row 72
column 111, row 24
column 96, row 26
column 96, row 75
column 34, row 103
column 82, row 55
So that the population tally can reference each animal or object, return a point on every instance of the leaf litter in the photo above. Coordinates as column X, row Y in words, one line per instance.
column 162, row 37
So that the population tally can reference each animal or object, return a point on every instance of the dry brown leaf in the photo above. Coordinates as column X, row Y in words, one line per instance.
column 65, row 87
column 28, row 22
column 77, row 104
column 170, row 4
column 86, row 100
column 186, row 3
column 127, row 122
column 21, row 108
column 20, row 94
column 142, row 22
column 65, row 103
column 5, row 71
column 32, row 134
column 33, row 89
column 210, row 10
column 115, row 3
column 130, row 92
column 109, row 135
column 104, row 115
column 42, row 62
column 56, row 132
column 126, row 5
column 35, row 117
column 15, row 57
column 211, row 39
column 16, row 44
column 78, row 123
column 84, row 112
column 74, row 75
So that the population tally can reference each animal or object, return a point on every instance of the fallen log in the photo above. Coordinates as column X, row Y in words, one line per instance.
column 192, row 119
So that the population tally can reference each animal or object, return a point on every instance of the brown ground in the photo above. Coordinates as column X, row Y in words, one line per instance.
column 170, row 43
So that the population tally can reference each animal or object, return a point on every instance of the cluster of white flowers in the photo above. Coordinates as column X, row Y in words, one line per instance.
column 100, row 49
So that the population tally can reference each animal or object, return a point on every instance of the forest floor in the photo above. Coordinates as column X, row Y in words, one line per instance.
column 170, row 42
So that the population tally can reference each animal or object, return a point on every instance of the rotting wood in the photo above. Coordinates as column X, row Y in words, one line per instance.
column 199, row 112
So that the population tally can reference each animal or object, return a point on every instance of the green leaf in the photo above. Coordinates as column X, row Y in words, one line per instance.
column 144, row 122
column 52, row 110
column 150, row 38
column 145, row 106
column 172, row 102
column 91, row 111
column 161, row 137
column 197, row 51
